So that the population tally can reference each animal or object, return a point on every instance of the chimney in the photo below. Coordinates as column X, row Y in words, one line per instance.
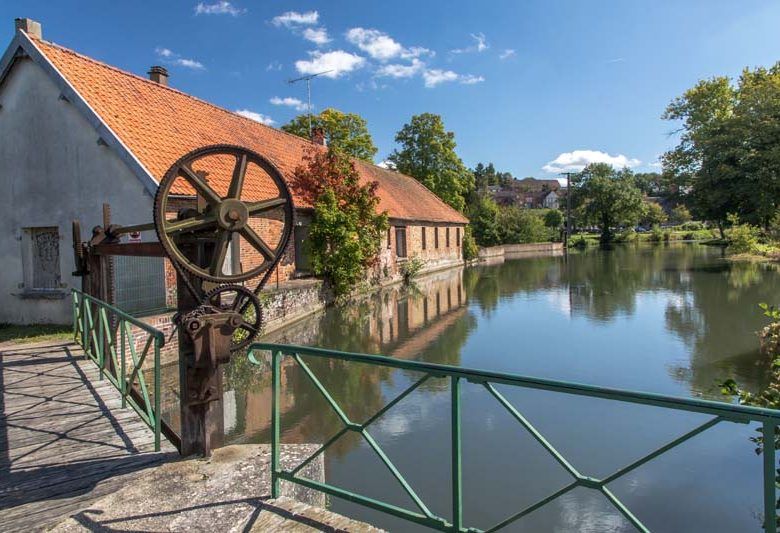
column 318, row 136
column 29, row 26
column 159, row 75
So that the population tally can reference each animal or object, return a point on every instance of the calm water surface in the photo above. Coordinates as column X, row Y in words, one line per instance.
column 668, row 319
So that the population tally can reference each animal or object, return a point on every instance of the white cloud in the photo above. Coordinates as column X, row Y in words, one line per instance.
column 172, row 58
column 386, row 164
column 218, row 8
column 274, row 65
column 337, row 63
column 509, row 52
column 318, row 36
column 293, row 18
column 258, row 117
column 395, row 70
column 416, row 51
column 470, row 79
column 578, row 159
column 480, row 45
column 189, row 63
column 163, row 52
column 289, row 102
column 434, row 77
column 375, row 43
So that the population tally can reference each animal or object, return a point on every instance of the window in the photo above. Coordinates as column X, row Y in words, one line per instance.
column 41, row 249
column 400, row 241
column 447, row 239
column 424, row 240
column 457, row 237
column 436, row 238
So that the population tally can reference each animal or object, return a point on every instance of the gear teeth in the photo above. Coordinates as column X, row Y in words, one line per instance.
column 251, row 300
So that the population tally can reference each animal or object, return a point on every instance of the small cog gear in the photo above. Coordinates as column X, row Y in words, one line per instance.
column 241, row 300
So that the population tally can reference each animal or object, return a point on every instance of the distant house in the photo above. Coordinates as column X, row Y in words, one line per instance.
column 530, row 193
column 78, row 133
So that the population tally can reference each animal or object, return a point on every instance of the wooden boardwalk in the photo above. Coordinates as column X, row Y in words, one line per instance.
column 65, row 442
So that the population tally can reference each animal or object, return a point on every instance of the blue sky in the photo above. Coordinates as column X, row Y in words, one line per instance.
column 534, row 86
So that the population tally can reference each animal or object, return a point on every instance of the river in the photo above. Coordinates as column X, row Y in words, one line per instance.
column 673, row 319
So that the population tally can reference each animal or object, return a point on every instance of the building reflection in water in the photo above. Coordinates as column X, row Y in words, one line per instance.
column 428, row 320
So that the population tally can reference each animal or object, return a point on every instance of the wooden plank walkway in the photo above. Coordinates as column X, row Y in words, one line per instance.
column 65, row 442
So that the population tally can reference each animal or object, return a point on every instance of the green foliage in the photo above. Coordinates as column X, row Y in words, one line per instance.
column 727, row 159
column 653, row 214
column 487, row 175
column 743, row 238
column 470, row 248
column 345, row 232
column 347, row 132
column 656, row 235
column 484, row 222
column 427, row 154
column 517, row 226
column 681, row 215
column 606, row 197
column 553, row 219
column 411, row 268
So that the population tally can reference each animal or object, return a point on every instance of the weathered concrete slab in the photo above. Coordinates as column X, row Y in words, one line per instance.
column 228, row 492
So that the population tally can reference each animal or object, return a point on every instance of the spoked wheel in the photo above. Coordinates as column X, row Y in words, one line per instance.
column 206, row 199
column 240, row 300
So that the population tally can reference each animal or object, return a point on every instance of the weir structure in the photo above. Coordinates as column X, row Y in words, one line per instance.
column 209, row 203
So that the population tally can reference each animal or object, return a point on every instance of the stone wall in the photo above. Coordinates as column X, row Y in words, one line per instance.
column 510, row 251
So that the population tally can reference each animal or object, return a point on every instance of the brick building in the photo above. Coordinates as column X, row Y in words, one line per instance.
column 78, row 133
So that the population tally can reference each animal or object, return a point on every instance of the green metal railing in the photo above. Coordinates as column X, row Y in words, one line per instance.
column 720, row 412
column 108, row 335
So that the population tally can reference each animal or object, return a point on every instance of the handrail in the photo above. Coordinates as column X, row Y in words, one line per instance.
column 96, row 330
column 719, row 411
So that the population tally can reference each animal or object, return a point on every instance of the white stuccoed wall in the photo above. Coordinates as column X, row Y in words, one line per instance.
column 52, row 170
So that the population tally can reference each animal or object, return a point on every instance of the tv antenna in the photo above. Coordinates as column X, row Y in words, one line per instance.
column 308, row 79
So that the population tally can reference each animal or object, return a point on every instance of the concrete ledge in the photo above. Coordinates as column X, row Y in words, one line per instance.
column 228, row 492
column 509, row 251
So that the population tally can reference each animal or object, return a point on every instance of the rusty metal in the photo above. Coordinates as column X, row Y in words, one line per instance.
column 211, row 323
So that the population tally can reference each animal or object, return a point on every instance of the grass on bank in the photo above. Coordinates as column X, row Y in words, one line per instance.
column 35, row 333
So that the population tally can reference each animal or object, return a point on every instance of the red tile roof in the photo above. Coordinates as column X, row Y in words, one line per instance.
column 160, row 124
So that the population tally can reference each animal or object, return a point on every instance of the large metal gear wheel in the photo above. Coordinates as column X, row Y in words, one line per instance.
column 238, row 299
column 222, row 216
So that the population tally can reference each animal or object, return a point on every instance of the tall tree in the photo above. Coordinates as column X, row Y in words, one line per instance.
column 728, row 157
column 347, row 132
column 606, row 197
column 427, row 154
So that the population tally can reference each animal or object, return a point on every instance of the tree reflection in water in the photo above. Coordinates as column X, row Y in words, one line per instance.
column 433, row 321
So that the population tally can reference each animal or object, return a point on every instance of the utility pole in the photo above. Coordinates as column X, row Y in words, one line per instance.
column 308, row 79
column 568, row 208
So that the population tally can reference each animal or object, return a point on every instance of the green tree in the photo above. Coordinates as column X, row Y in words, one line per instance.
column 727, row 159
column 606, row 197
column 681, row 215
column 553, row 219
column 518, row 226
column 346, row 229
column 484, row 222
column 653, row 214
column 347, row 132
column 427, row 154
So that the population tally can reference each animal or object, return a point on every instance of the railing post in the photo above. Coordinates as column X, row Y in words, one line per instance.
column 276, row 382
column 84, row 336
column 100, row 336
column 770, row 472
column 122, row 363
column 457, row 472
column 74, row 307
column 157, row 399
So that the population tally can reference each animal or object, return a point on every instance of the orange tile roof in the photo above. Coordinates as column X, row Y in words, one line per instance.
column 160, row 124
